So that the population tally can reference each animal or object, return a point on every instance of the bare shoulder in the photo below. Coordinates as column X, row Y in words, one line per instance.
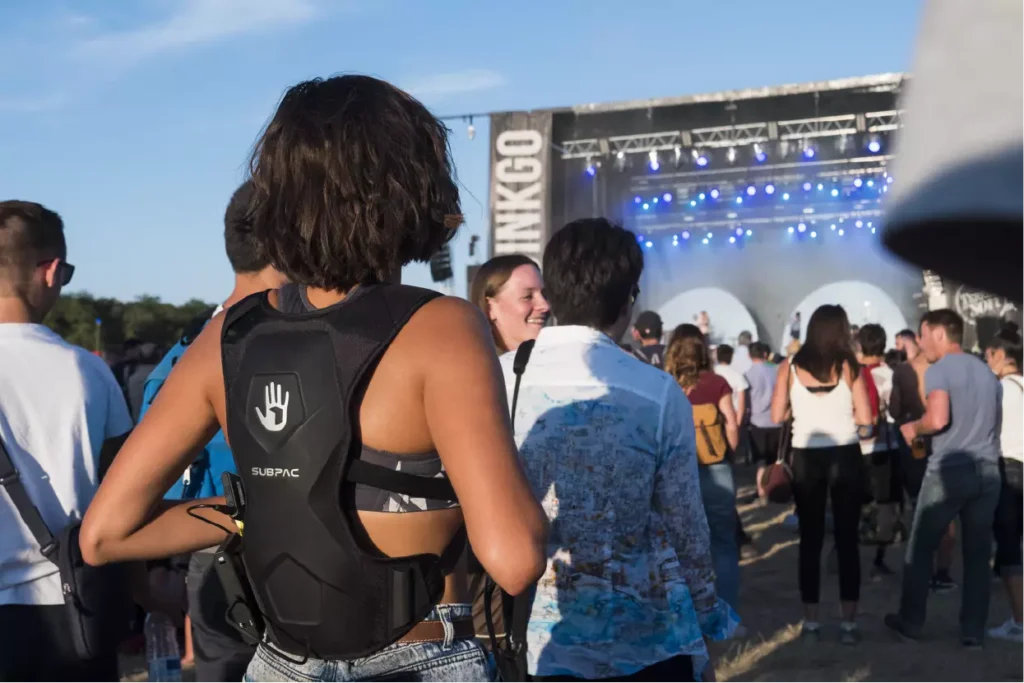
column 449, row 321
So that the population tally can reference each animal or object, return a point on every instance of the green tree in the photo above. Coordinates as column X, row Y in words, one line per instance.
column 147, row 318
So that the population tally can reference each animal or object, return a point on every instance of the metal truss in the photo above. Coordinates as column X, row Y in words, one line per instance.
column 734, row 136
column 880, row 121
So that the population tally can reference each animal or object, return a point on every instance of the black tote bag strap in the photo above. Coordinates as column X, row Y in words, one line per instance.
column 10, row 479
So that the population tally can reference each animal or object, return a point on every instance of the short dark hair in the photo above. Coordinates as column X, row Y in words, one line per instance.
column 907, row 334
column 1010, row 342
column 591, row 270
column 724, row 354
column 245, row 252
column 29, row 233
column 745, row 338
column 760, row 350
column 352, row 179
column 872, row 339
column 947, row 319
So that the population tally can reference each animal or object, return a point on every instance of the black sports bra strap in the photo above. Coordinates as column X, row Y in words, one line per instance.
column 385, row 479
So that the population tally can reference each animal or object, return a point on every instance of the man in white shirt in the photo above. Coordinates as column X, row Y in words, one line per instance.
column 608, row 445
column 741, row 361
column 62, row 417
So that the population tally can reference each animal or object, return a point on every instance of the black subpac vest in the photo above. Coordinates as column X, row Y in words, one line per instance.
column 294, row 382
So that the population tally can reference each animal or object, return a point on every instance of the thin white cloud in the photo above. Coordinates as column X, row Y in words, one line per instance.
column 439, row 86
column 195, row 22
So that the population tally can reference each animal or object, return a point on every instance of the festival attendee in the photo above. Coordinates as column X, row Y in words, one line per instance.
column 906, row 341
column 717, row 436
column 608, row 444
column 352, row 179
column 703, row 321
column 821, row 386
column 147, row 358
column 647, row 331
column 741, row 355
column 220, row 652
column 737, row 382
column 63, row 418
column 509, row 291
column 906, row 404
column 1003, row 356
column 962, row 414
column 765, row 433
column 881, row 450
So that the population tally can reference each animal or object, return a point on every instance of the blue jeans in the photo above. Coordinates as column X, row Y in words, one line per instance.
column 719, row 495
column 970, row 490
column 452, row 660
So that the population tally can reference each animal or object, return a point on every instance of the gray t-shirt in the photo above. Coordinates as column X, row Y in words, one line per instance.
column 975, row 399
column 761, row 377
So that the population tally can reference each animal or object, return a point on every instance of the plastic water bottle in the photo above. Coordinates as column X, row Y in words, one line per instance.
column 162, row 656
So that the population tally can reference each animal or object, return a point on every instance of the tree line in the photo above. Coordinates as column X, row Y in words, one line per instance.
column 101, row 324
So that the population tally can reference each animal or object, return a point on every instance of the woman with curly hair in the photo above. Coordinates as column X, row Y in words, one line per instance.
column 688, row 360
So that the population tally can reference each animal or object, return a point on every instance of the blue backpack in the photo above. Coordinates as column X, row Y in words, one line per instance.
column 203, row 477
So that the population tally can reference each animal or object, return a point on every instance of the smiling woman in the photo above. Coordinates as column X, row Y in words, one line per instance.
column 509, row 291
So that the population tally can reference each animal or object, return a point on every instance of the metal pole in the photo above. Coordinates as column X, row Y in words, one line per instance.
column 99, row 326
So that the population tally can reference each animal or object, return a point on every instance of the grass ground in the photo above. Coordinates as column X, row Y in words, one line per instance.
column 770, row 607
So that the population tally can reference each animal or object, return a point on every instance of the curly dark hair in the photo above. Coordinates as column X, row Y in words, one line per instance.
column 591, row 271
column 687, row 357
column 352, row 179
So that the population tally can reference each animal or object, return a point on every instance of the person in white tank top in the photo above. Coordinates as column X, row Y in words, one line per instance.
column 820, row 389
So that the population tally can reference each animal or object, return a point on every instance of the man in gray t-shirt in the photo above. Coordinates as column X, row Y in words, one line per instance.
column 962, row 415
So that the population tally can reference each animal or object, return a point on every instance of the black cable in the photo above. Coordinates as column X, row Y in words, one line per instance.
column 216, row 508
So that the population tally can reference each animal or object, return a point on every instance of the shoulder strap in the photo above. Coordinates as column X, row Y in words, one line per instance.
column 10, row 479
column 1015, row 379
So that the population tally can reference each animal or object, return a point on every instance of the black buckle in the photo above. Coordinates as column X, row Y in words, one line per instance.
column 10, row 478
column 49, row 548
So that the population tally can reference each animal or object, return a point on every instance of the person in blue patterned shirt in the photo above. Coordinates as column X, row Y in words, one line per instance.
column 608, row 445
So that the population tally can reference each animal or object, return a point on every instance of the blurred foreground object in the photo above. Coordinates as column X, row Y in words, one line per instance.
column 956, row 205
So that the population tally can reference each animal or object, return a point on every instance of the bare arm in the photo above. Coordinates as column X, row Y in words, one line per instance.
column 780, row 399
column 861, row 401
column 732, row 427
column 127, row 519
column 936, row 414
column 741, row 406
column 468, row 417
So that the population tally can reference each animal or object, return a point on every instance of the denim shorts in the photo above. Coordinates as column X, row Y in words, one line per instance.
column 451, row 660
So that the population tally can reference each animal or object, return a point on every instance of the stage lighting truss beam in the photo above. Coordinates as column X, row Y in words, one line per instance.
column 734, row 136
column 819, row 219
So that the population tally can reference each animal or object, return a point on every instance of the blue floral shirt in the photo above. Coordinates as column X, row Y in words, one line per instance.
column 608, row 445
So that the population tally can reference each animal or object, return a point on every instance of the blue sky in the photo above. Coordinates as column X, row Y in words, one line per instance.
column 134, row 119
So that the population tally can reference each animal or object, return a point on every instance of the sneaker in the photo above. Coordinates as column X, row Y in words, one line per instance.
column 849, row 634
column 895, row 622
column 811, row 630
column 971, row 643
column 942, row 582
column 1010, row 630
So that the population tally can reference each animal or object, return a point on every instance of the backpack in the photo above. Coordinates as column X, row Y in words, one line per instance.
column 203, row 477
column 712, row 446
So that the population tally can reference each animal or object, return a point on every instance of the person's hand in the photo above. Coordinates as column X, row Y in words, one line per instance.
column 908, row 432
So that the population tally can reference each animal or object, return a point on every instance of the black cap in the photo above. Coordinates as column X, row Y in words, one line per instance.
column 648, row 324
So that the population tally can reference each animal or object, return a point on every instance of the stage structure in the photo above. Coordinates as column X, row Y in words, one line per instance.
column 769, row 194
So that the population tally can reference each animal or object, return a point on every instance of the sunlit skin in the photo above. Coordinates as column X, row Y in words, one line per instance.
column 519, row 310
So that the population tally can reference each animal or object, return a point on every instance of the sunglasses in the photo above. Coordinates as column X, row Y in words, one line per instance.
column 65, row 271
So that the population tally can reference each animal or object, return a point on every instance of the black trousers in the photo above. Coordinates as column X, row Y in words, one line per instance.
column 764, row 444
column 1009, row 519
column 820, row 473
column 678, row 668
column 36, row 645
column 221, row 654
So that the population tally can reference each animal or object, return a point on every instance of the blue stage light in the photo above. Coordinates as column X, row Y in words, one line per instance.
column 750, row 233
column 667, row 196
column 646, row 206
column 785, row 196
column 835, row 192
column 739, row 231
column 790, row 230
column 769, row 189
column 715, row 194
column 591, row 170
column 813, row 234
column 859, row 224
column 701, row 160
column 841, row 232
column 654, row 201
column 704, row 241
column 710, row 235
column 857, row 182
column 637, row 199
column 807, row 187
column 802, row 227
column 702, row 196
column 751, row 190
column 693, row 202
column 821, row 187
column 648, row 244
column 759, row 154
column 874, row 146
column 732, row 240
column 809, row 152
column 739, row 200
column 686, row 234
column 832, row 227
column 871, row 183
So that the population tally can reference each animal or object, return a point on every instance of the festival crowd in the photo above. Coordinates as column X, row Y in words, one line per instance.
column 338, row 477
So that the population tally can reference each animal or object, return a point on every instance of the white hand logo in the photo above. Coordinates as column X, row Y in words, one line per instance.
column 272, row 400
